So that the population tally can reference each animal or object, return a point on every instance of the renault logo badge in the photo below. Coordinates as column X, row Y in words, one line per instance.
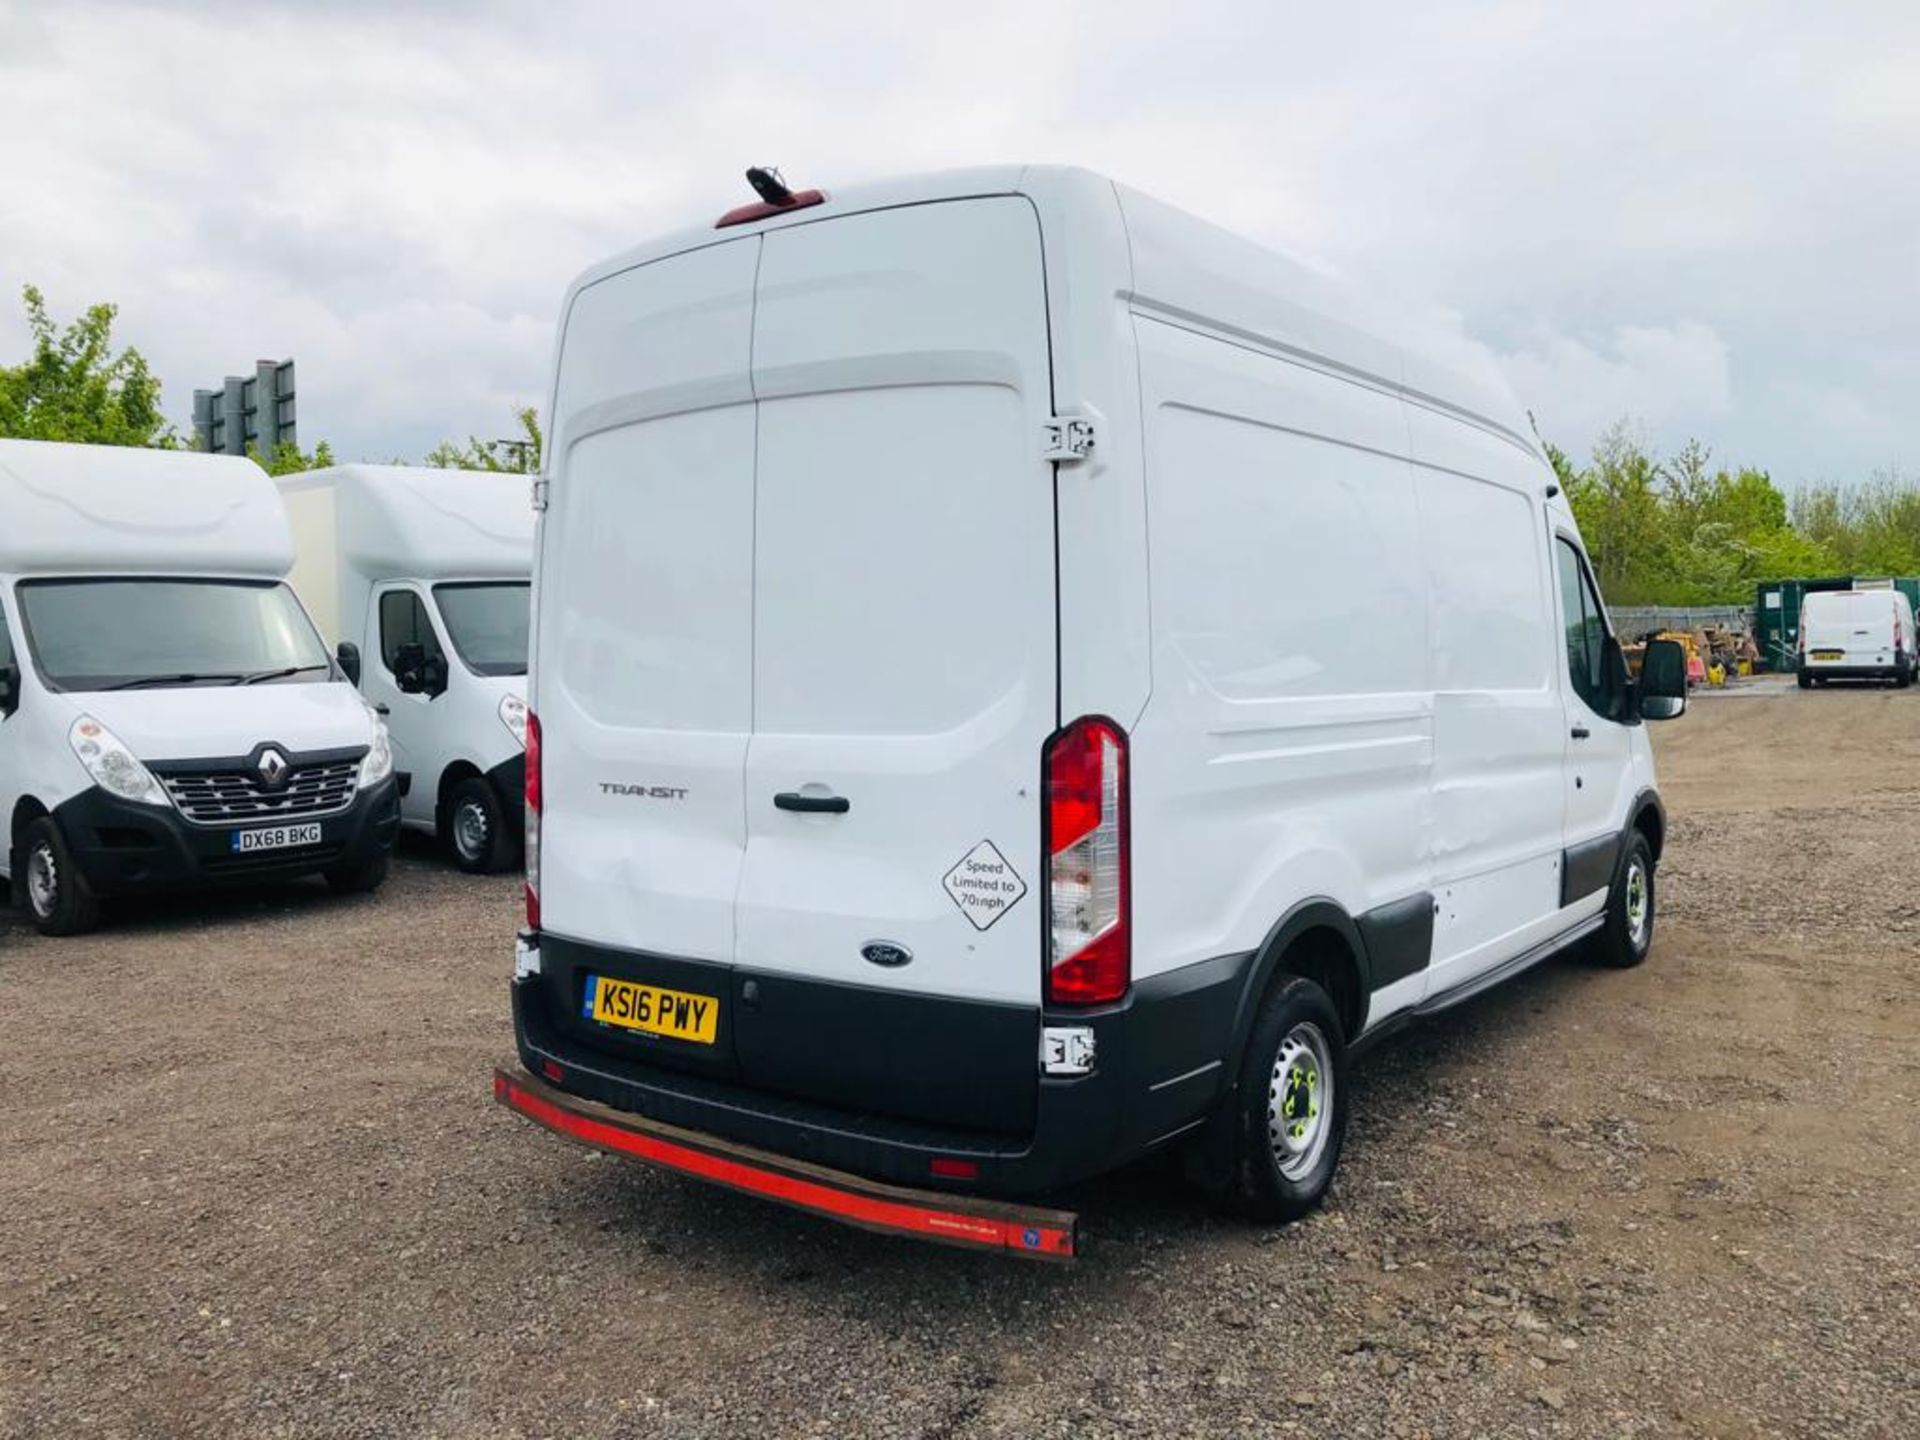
column 272, row 767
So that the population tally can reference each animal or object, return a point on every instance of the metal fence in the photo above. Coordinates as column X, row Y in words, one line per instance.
column 1632, row 620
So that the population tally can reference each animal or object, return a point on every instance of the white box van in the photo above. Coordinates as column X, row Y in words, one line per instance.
column 418, row 577
column 168, row 715
column 1856, row 635
column 1025, row 678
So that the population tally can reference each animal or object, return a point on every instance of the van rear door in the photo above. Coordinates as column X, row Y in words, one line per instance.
column 904, row 652
column 644, row 610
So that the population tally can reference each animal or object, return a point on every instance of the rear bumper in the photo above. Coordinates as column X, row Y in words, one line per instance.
column 1164, row 1062
column 1837, row 671
column 128, row 849
column 963, row 1221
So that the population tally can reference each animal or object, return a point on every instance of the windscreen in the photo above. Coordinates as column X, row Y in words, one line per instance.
column 488, row 625
column 137, row 633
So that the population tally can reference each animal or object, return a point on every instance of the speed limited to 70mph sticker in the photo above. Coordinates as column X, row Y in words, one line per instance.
column 984, row 885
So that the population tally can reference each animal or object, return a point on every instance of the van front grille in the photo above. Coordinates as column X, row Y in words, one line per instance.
column 223, row 797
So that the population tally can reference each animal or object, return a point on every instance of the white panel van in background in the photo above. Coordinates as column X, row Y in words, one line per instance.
column 1025, row 678
column 169, row 717
column 1856, row 635
column 419, row 577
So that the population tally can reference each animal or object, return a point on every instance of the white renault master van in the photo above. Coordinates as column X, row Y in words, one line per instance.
column 168, row 715
column 418, row 577
column 1025, row 678
column 1856, row 635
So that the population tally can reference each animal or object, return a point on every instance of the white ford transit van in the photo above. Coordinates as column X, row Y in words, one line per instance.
column 1025, row 678
column 1856, row 635
column 418, row 577
column 168, row 715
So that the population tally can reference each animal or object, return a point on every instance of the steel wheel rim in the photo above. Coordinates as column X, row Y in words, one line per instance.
column 43, row 880
column 1639, row 904
column 1300, row 1100
column 470, row 829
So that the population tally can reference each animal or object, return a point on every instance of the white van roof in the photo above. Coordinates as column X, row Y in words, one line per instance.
column 107, row 509
column 425, row 523
column 1184, row 267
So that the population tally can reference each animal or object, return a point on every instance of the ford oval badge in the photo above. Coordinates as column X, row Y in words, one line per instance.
column 885, row 952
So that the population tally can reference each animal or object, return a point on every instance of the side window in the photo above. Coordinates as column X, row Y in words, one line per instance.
column 1586, row 630
column 403, row 621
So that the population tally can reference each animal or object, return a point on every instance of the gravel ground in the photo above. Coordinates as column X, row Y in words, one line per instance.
column 254, row 1185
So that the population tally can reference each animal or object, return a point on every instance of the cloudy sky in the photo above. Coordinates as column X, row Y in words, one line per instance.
column 1701, row 213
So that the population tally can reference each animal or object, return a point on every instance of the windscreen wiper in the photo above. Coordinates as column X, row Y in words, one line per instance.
column 256, row 678
column 184, row 679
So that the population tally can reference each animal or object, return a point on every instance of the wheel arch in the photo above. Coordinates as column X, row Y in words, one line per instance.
column 26, row 810
column 455, row 772
column 1318, row 940
column 1649, row 817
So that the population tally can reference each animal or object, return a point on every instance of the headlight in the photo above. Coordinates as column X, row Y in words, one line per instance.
column 378, row 764
column 513, row 715
column 112, row 765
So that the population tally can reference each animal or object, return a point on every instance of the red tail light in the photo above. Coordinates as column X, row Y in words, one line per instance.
column 1089, row 948
column 533, row 821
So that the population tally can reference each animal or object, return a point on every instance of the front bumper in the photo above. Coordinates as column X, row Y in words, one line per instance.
column 127, row 849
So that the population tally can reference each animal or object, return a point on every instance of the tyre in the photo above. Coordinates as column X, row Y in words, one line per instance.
column 359, row 879
column 1806, row 681
column 58, row 899
column 1628, row 933
column 1903, row 675
column 1291, row 1105
column 477, row 830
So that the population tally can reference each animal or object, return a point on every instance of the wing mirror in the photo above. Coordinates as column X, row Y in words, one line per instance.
column 417, row 673
column 1662, row 692
column 9, row 689
column 348, row 654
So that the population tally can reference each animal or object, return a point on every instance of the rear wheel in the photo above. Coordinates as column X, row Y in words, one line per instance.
column 1903, row 674
column 1291, row 1120
column 1628, row 934
column 1806, row 681
column 477, row 831
column 59, row 901
column 361, row 878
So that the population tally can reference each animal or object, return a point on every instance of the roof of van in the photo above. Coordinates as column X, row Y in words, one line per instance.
column 106, row 509
column 1188, row 269
column 423, row 522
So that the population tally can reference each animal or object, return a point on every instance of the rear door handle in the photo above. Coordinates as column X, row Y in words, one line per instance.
column 812, row 804
column 1580, row 732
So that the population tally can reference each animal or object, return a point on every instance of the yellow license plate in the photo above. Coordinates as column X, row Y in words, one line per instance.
column 672, row 1013
column 1829, row 654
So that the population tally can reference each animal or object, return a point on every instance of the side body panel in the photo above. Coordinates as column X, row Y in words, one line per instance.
column 1287, row 750
column 1499, row 741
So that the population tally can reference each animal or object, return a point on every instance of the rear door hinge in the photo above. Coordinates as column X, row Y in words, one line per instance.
column 1068, row 438
column 539, row 493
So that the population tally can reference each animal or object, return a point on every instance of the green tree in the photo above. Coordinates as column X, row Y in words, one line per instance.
column 289, row 459
column 515, row 457
column 74, row 387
